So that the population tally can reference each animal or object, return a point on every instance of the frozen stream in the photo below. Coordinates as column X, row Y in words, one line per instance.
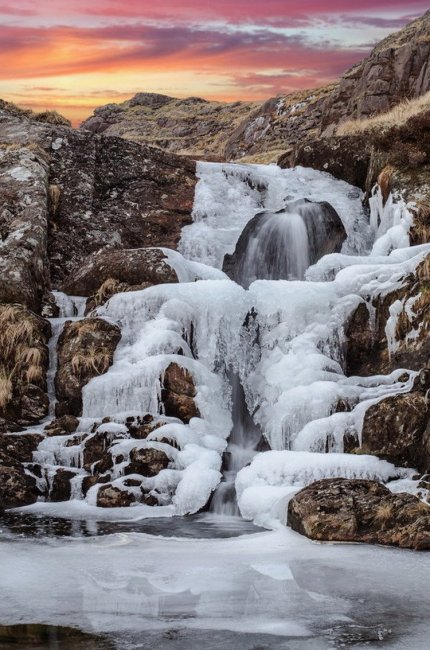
column 267, row 590
column 149, row 578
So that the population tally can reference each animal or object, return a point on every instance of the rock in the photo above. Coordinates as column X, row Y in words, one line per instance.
column 16, row 487
column 147, row 461
column 347, row 158
column 102, row 192
column 360, row 511
column 178, row 394
column 62, row 426
column 20, row 447
column 85, row 350
column 23, row 365
column 266, row 248
column 394, row 429
column 97, row 457
column 109, row 496
column 61, row 488
column 132, row 267
column 108, row 289
column 23, row 225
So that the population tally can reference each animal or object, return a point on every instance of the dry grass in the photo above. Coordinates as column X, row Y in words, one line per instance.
column 93, row 359
column 6, row 387
column 106, row 290
column 23, row 356
column 397, row 116
column 384, row 512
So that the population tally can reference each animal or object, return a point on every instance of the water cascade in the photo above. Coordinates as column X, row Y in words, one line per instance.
column 268, row 344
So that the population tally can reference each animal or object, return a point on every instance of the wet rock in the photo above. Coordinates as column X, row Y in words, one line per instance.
column 96, row 455
column 360, row 340
column 85, row 350
column 110, row 496
column 359, row 511
column 147, row 462
column 62, row 426
column 132, row 267
column 178, row 394
column 266, row 248
column 16, row 487
column 61, row 488
column 394, row 429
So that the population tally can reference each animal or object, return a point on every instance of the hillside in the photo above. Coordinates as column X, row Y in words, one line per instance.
column 397, row 69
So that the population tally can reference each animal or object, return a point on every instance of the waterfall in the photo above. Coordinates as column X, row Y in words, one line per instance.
column 244, row 440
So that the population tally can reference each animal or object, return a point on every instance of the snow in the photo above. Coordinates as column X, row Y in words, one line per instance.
column 274, row 589
column 262, row 486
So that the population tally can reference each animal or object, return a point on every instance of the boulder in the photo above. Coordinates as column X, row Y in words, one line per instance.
column 85, row 350
column 267, row 246
column 131, row 267
column 178, row 394
column 62, row 426
column 147, row 461
column 345, row 510
column 110, row 496
column 61, row 488
column 19, row 447
column 395, row 429
column 16, row 487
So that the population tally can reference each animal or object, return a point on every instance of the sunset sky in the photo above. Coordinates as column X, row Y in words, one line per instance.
column 76, row 55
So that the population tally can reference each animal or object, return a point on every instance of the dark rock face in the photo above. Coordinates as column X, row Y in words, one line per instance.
column 19, row 448
column 132, row 267
column 85, row 350
column 395, row 429
column 178, row 394
column 23, row 365
column 360, row 511
column 282, row 245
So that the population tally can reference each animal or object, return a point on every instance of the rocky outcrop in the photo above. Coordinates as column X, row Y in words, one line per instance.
column 391, row 329
column 192, row 126
column 17, row 486
column 345, row 510
column 102, row 191
column 178, row 394
column 23, row 224
column 130, row 267
column 267, row 246
column 85, row 350
column 23, row 365
column 109, row 496
column 396, row 69
column 147, row 461
column 397, row 428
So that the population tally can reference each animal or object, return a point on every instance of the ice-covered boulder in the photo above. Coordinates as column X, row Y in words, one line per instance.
column 345, row 510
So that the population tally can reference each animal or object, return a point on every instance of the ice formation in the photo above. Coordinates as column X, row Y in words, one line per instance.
column 281, row 340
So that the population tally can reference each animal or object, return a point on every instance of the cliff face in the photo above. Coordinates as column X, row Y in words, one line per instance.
column 398, row 68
